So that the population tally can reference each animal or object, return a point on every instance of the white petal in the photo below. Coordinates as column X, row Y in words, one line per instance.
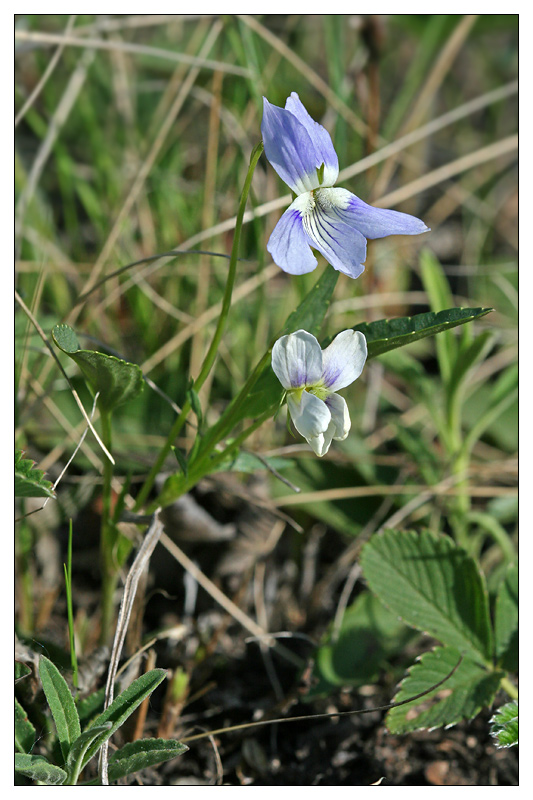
column 322, row 442
column 297, row 360
column 343, row 360
column 340, row 416
column 311, row 416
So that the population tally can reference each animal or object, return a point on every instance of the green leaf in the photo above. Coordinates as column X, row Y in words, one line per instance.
column 116, row 380
column 506, row 621
column 465, row 693
column 504, row 725
column 124, row 705
column 39, row 769
column 433, row 585
column 467, row 358
column 141, row 754
column 79, row 749
column 250, row 463
column 368, row 635
column 61, row 704
column 389, row 334
column 24, row 731
column 29, row 482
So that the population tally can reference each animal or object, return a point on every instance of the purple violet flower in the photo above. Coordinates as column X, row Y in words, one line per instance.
column 333, row 221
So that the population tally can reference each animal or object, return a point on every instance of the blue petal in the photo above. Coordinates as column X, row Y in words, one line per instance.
column 289, row 246
column 289, row 149
column 375, row 223
column 339, row 242
column 320, row 138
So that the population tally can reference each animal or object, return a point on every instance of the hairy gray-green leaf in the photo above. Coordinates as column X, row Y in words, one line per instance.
column 506, row 621
column 116, row 380
column 504, row 725
column 462, row 696
column 37, row 768
column 29, row 481
column 389, row 334
column 24, row 730
column 61, row 704
column 433, row 585
column 141, row 754
column 124, row 705
column 79, row 749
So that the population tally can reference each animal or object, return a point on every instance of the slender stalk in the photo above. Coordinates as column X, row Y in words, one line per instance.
column 107, row 539
column 217, row 337
column 510, row 688
column 70, row 615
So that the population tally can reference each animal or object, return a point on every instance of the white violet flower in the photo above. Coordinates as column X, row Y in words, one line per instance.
column 312, row 376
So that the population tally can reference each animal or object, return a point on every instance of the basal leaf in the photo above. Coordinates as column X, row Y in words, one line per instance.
column 79, row 749
column 433, row 585
column 124, row 705
column 389, row 334
column 504, row 725
column 116, row 380
column 37, row 768
column 462, row 696
column 29, row 482
column 506, row 621
column 61, row 704
column 141, row 754
column 24, row 731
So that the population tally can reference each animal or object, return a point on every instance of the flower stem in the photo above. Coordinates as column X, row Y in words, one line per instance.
column 215, row 344
column 107, row 538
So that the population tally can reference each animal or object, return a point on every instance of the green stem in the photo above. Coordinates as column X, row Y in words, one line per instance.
column 215, row 344
column 510, row 688
column 107, row 539
column 70, row 615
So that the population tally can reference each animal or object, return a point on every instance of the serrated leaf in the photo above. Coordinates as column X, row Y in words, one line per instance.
column 389, row 334
column 29, row 481
column 61, row 704
column 116, row 380
column 39, row 769
column 79, row 749
column 504, row 725
column 433, row 585
column 24, row 731
column 462, row 696
column 141, row 754
column 506, row 621
column 123, row 706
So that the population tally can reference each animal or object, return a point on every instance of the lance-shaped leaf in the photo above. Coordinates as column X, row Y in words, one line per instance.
column 469, row 689
column 389, row 334
column 29, row 481
column 433, row 585
column 504, row 725
column 37, row 768
column 124, row 705
column 116, row 380
column 141, row 754
column 79, row 749
column 24, row 730
column 61, row 704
